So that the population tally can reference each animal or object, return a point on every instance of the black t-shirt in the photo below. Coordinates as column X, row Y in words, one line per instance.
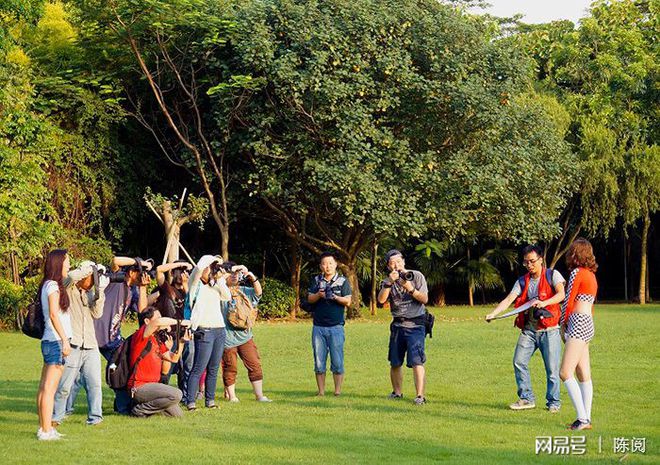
column 170, row 307
column 329, row 312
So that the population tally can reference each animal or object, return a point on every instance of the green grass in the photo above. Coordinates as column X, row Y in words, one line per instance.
column 470, row 384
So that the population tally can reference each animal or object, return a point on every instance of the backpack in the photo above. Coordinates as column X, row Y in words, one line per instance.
column 33, row 323
column 119, row 369
column 188, row 304
column 241, row 314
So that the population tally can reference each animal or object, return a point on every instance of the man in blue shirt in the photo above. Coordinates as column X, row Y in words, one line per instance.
column 329, row 295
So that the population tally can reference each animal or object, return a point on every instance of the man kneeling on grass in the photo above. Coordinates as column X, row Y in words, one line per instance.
column 147, row 355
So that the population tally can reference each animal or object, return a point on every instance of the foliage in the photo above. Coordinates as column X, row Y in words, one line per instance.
column 277, row 299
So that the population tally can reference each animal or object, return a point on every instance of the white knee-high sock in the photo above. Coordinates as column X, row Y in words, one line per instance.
column 576, row 397
column 587, row 389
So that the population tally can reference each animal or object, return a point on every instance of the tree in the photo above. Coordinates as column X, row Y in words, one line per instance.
column 374, row 118
column 171, row 48
column 174, row 213
column 605, row 73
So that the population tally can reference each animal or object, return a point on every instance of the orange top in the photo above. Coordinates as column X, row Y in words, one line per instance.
column 582, row 287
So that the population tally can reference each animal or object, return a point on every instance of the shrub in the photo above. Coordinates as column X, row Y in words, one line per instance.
column 277, row 299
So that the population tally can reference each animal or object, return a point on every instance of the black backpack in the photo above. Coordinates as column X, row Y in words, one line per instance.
column 119, row 369
column 33, row 323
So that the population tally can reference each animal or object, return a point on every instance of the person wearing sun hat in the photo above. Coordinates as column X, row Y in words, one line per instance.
column 86, row 305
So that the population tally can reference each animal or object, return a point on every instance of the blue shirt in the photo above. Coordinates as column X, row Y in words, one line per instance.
column 329, row 312
column 238, row 337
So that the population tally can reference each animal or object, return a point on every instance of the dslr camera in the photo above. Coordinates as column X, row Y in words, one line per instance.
column 406, row 275
column 176, row 332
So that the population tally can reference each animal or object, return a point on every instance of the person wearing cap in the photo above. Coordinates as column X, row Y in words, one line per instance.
column 207, row 290
column 407, row 293
column 329, row 295
column 86, row 305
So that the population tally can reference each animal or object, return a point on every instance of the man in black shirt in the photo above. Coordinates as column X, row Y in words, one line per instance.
column 329, row 294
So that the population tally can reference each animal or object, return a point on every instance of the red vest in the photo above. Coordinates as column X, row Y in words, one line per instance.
column 546, row 291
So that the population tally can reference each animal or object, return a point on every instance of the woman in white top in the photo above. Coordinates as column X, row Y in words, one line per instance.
column 55, row 341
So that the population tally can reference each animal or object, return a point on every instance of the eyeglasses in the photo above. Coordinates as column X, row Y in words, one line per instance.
column 530, row 262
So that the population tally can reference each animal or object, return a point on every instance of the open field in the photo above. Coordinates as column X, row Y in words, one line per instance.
column 470, row 384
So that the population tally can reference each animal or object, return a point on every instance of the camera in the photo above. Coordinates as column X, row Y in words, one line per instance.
column 176, row 332
column 406, row 275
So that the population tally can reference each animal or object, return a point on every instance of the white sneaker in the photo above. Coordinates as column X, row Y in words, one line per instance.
column 263, row 399
column 234, row 399
column 51, row 435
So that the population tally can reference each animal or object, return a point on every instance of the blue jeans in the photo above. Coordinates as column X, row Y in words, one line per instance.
column 85, row 364
column 185, row 368
column 328, row 339
column 209, row 346
column 549, row 343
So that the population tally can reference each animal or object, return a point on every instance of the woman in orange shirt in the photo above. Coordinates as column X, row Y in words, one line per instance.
column 578, row 325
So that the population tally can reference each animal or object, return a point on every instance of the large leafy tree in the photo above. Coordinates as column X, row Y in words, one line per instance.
column 390, row 117
column 605, row 73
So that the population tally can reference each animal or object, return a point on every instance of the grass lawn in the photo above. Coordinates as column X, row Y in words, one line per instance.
column 470, row 383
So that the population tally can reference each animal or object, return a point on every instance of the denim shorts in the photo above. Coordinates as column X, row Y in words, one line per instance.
column 52, row 352
column 328, row 340
column 408, row 342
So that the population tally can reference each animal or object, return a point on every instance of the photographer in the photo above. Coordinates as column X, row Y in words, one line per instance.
column 148, row 351
column 84, row 361
column 169, row 299
column 208, row 289
column 329, row 294
column 240, row 342
column 129, row 295
column 407, row 293
column 546, row 286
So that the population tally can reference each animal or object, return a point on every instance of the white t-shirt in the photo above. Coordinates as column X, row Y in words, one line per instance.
column 207, row 312
column 50, row 287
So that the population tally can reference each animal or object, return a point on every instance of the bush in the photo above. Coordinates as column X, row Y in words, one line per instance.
column 11, row 296
column 277, row 299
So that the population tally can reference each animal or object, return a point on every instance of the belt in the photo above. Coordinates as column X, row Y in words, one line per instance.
column 73, row 346
column 419, row 320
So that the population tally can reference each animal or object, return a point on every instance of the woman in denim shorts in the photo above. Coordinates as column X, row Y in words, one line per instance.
column 55, row 341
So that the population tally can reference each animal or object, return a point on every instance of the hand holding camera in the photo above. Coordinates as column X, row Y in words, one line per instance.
column 328, row 293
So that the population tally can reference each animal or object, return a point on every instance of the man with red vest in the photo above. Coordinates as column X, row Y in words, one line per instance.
column 539, row 327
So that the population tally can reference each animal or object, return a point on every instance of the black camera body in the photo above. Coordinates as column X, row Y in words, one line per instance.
column 176, row 332
column 406, row 275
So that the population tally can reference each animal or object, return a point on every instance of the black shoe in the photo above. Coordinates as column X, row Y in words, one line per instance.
column 395, row 396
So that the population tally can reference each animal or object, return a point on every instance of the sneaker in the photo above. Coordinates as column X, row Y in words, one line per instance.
column 522, row 404
column 191, row 407
column 200, row 395
column 394, row 396
column 420, row 400
column 263, row 399
column 234, row 399
column 579, row 425
column 553, row 409
column 94, row 422
column 51, row 435
column 55, row 423
column 212, row 406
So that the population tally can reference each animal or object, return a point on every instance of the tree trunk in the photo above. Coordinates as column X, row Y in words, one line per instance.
column 349, row 270
column 296, row 267
column 16, row 279
column 439, row 293
column 373, row 304
column 224, row 241
column 469, row 280
column 643, row 261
